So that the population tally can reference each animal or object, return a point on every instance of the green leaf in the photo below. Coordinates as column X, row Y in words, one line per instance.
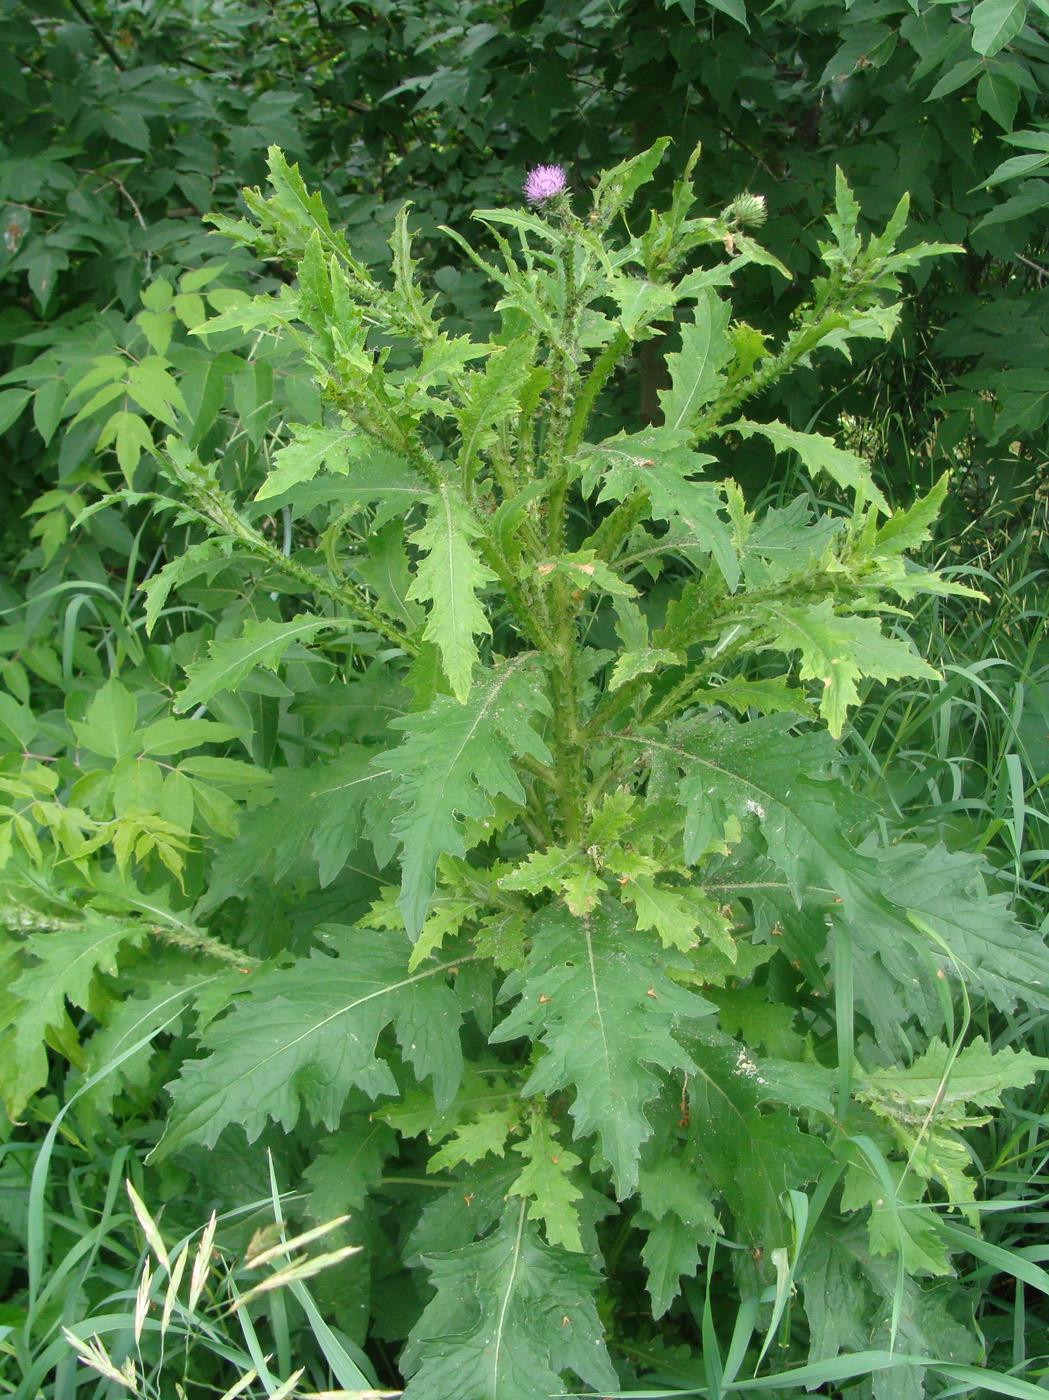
column 303, row 1036
column 998, row 957
column 492, row 396
column 695, row 370
column 108, row 727
column 454, row 760
column 996, row 23
column 680, row 1220
column 999, row 97
column 751, row 1157
column 673, row 496
column 941, row 1084
column 820, row 455
column 907, row 529
column 735, row 9
column 546, row 1181
column 154, row 389
column 260, row 644
column 338, row 450
column 672, row 1251
column 617, row 187
column 170, row 736
column 511, row 1316
column 348, row 1166
column 667, row 912
column 66, row 964
column 839, row 651
column 599, row 999
column 319, row 810
column 768, row 697
column 850, row 1300
column 470, row 1141
column 12, row 402
column 449, row 578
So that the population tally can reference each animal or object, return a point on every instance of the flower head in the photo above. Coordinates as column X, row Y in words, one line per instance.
column 544, row 182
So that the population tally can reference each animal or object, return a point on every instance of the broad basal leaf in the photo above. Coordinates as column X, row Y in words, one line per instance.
column 454, row 760
column 761, row 774
column 596, row 995
column 997, row 956
column 512, row 1319
column 752, row 1157
column 303, row 1036
column 449, row 578
column 849, row 1298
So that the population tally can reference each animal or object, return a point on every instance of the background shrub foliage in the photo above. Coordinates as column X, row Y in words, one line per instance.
column 495, row 756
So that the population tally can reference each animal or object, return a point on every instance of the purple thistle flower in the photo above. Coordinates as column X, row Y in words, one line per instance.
column 544, row 182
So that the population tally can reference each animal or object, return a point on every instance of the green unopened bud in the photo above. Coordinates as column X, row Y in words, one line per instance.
column 746, row 211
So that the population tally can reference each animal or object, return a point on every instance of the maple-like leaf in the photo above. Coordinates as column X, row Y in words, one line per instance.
column 511, row 1318
column 303, row 1036
column 449, row 577
column 454, row 760
column 598, row 997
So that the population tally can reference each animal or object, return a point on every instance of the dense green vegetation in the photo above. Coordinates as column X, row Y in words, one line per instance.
column 408, row 612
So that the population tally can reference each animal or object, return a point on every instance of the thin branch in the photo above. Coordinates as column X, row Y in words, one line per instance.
column 98, row 33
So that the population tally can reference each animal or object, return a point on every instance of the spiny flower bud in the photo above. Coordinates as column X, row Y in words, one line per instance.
column 746, row 211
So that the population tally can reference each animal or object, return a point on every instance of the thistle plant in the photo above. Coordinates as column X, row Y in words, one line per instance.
column 572, row 940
